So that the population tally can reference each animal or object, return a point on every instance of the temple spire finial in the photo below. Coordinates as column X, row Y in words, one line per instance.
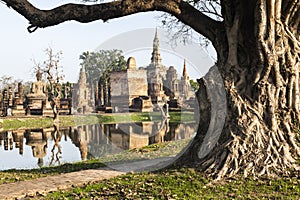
column 156, row 35
column 82, row 74
column 184, row 73
column 83, row 68
column 156, row 59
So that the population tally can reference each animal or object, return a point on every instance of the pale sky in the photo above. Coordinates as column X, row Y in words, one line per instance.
column 18, row 47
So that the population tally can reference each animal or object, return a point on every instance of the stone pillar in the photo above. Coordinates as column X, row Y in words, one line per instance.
column 18, row 99
column 105, row 93
column 10, row 97
column 5, row 102
column 70, row 90
column 96, row 95
column 67, row 91
column 92, row 101
column 100, row 93
column 1, row 101
column 109, row 96
column 20, row 91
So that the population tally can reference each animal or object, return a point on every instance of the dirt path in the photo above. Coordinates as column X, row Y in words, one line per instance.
column 44, row 185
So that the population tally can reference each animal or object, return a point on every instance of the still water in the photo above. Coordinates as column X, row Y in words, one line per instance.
column 33, row 148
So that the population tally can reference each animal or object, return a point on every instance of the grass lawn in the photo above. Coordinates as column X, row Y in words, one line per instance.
column 75, row 120
column 183, row 183
column 148, row 152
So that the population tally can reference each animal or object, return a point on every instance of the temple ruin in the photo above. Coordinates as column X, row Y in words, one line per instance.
column 143, row 89
column 36, row 102
column 135, row 89
column 82, row 95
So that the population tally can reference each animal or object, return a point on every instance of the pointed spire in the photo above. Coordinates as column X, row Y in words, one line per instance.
column 184, row 74
column 83, row 69
column 82, row 75
column 156, row 38
column 156, row 59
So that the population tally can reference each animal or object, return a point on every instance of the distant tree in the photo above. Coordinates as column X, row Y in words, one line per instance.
column 26, row 87
column 8, row 81
column 194, row 85
column 54, row 77
column 101, row 63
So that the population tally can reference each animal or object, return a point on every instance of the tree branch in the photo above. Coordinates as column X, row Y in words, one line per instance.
column 200, row 22
column 105, row 11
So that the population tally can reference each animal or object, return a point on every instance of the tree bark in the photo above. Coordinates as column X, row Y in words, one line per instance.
column 249, row 101
column 260, row 71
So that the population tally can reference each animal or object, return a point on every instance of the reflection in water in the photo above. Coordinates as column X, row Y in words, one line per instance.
column 51, row 146
column 37, row 139
column 56, row 149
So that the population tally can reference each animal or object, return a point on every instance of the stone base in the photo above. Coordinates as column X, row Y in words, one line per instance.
column 48, row 113
column 35, row 111
column 17, row 112
column 65, row 111
column 141, row 104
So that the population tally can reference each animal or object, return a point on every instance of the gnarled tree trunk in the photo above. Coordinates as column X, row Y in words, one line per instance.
column 259, row 65
column 250, row 98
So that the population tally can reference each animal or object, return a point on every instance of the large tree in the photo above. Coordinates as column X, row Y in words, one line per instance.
column 101, row 63
column 258, row 46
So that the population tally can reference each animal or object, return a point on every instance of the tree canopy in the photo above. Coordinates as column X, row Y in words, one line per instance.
column 102, row 62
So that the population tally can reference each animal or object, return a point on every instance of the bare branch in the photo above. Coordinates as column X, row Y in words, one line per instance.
column 105, row 11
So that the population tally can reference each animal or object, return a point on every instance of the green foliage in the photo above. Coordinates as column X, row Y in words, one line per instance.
column 101, row 63
column 194, row 85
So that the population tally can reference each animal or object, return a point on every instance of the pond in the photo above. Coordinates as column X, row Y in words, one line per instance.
column 33, row 148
